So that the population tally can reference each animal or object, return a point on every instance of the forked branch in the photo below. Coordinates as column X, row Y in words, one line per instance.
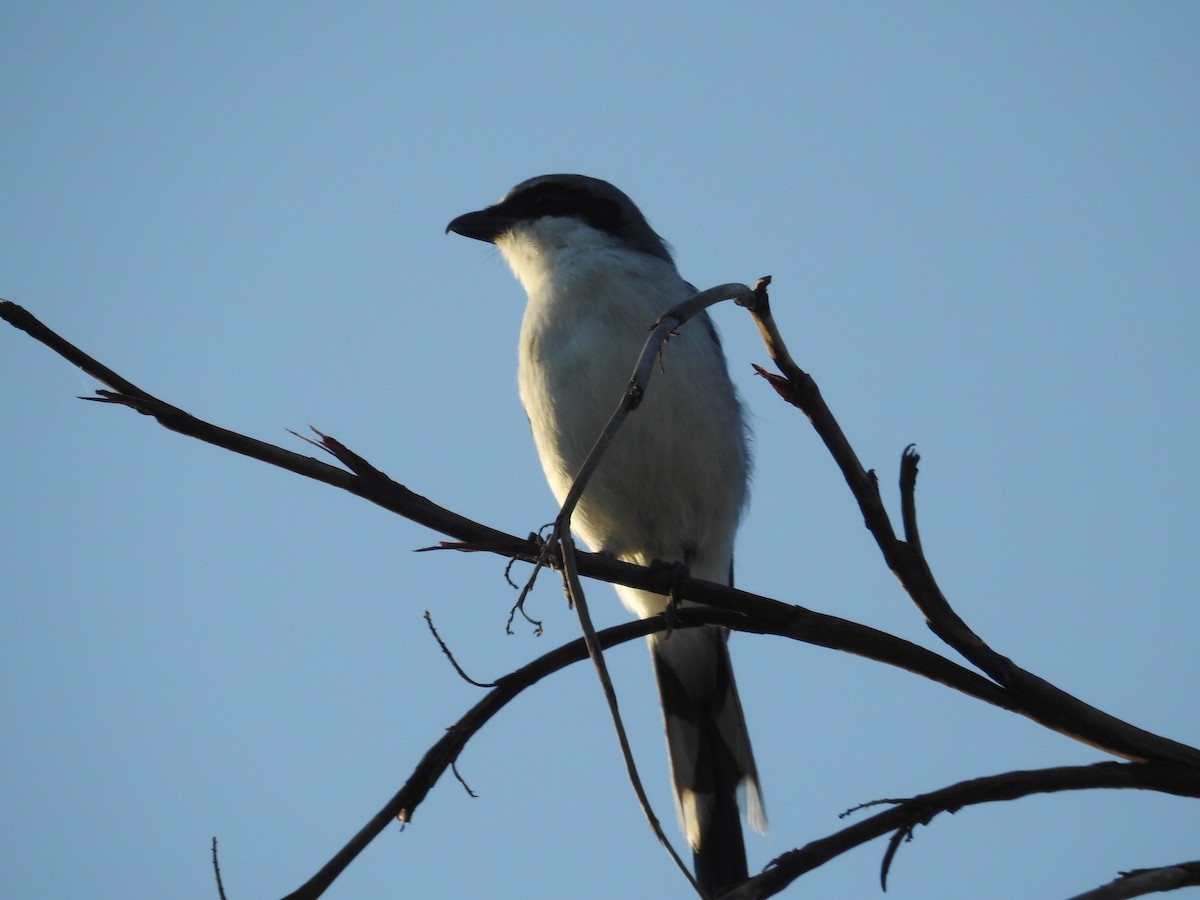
column 1035, row 697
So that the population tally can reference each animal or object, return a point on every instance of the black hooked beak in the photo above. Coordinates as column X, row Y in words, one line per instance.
column 482, row 225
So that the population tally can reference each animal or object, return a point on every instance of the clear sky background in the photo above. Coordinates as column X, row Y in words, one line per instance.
column 983, row 221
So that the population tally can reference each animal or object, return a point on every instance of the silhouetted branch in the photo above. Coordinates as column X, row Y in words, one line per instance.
column 217, row 871
column 762, row 614
column 1173, row 767
column 631, row 398
column 560, row 540
column 450, row 656
column 1037, row 698
column 595, row 650
column 921, row 810
column 370, row 484
column 1023, row 692
column 639, row 381
column 1140, row 882
column 442, row 754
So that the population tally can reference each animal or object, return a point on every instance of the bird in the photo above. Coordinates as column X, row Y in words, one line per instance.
column 671, row 487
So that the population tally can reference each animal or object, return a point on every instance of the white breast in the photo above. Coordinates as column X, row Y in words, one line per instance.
column 673, row 483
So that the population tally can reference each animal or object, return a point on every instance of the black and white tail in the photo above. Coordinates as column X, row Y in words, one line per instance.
column 709, row 750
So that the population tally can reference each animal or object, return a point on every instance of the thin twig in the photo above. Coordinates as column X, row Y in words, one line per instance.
column 560, row 538
column 450, row 656
column 466, row 787
column 1140, row 882
column 639, row 381
column 596, row 652
column 217, row 870
column 908, row 496
column 671, row 320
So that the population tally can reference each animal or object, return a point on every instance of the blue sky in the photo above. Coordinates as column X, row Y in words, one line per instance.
column 982, row 221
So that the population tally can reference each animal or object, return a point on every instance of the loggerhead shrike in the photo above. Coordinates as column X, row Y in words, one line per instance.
column 671, row 486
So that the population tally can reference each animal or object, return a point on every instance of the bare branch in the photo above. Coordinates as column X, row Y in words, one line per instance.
column 672, row 319
column 1140, row 882
column 908, row 496
column 560, row 538
column 596, row 652
column 1017, row 690
column 758, row 613
column 370, row 484
column 1037, row 698
column 921, row 809
column 466, row 787
column 428, row 617
column 660, row 333
column 217, row 870
column 446, row 751
column 769, row 616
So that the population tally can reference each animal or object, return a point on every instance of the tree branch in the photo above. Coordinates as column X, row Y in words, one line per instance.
column 1146, row 881
column 1017, row 690
column 596, row 651
column 921, row 810
column 442, row 755
column 1035, row 697
column 905, row 815
column 1023, row 692
column 762, row 614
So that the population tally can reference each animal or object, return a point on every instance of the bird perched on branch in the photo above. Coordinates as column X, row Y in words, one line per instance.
column 672, row 485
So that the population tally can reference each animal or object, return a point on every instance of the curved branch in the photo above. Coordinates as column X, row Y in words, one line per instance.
column 1035, row 697
column 364, row 480
column 1017, row 690
column 442, row 755
column 595, row 650
column 921, row 810
column 764, row 614
column 906, row 815
column 670, row 320
column 1140, row 882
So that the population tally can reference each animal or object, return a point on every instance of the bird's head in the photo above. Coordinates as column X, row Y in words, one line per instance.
column 555, row 212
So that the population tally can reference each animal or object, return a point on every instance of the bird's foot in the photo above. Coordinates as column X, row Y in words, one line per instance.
column 679, row 578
